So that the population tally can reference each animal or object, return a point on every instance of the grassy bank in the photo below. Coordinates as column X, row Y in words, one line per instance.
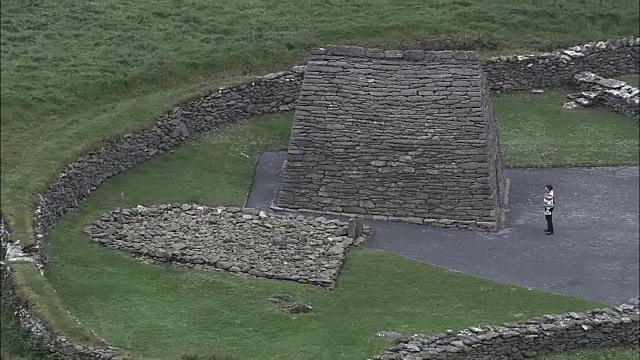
column 601, row 354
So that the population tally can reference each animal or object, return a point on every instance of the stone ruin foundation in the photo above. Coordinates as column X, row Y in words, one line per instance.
column 242, row 241
column 395, row 135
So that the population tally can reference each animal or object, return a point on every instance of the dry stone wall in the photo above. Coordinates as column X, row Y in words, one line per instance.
column 497, row 179
column 242, row 241
column 521, row 72
column 407, row 135
column 615, row 94
column 272, row 93
column 598, row 328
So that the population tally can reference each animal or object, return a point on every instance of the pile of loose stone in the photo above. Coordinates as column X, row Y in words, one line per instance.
column 620, row 96
column 243, row 241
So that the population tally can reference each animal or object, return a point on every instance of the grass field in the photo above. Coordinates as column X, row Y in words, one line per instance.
column 633, row 80
column 109, row 291
column 75, row 73
column 535, row 130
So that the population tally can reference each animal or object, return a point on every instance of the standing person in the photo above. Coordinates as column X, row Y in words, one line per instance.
column 549, row 204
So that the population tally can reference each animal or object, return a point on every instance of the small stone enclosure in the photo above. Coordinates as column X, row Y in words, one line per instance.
column 397, row 135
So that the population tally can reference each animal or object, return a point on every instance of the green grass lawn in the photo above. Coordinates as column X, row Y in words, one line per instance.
column 74, row 73
column 633, row 80
column 535, row 130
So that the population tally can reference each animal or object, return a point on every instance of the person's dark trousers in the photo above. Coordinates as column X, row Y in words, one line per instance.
column 549, row 222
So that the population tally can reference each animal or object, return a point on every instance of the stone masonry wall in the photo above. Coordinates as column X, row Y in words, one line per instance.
column 598, row 328
column 606, row 58
column 615, row 94
column 496, row 171
column 272, row 93
column 395, row 134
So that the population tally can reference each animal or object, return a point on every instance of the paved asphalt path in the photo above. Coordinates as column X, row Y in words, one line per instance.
column 594, row 252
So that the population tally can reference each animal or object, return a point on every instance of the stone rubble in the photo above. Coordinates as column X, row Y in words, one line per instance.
column 246, row 241
column 288, row 305
column 615, row 94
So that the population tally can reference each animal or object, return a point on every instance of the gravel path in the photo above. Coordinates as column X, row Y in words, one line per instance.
column 594, row 252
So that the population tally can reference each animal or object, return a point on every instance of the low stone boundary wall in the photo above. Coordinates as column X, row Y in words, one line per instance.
column 522, row 72
column 615, row 94
column 276, row 93
column 609, row 327
column 242, row 241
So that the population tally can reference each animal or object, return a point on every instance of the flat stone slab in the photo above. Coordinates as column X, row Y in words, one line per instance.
column 594, row 252
column 304, row 249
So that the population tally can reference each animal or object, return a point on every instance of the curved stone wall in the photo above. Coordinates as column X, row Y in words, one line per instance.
column 269, row 94
column 243, row 241
column 275, row 93
column 278, row 92
column 591, row 329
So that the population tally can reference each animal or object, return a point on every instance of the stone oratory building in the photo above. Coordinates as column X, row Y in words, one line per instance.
column 397, row 135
